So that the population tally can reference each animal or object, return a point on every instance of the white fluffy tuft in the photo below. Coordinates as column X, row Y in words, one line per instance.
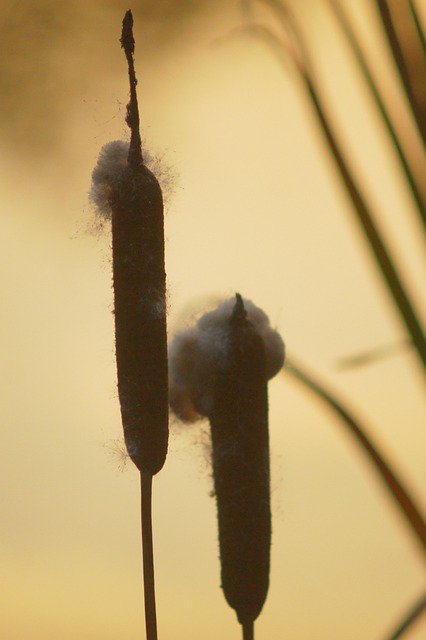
column 108, row 172
column 106, row 176
column 197, row 353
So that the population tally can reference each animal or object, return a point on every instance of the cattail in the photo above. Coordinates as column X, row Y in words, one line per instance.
column 125, row 190
column 220, row 369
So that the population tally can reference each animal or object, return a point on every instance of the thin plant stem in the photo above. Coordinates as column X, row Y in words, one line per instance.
column 418, row 25
column 411, row 617
column 373, row 355
column 363, row 214
column 132, row 116
column 401, row 64
column 248, row 630
column 401, row 496
column 347, row 29
column 148, row 556
column 371, row 231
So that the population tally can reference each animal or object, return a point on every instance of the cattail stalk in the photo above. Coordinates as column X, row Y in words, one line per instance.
column 140, row 322
column 139, row 295
column 126, row 192
column 148, row 556
column 248, row 630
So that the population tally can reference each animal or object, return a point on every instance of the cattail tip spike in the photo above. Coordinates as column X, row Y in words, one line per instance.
column 239, row 313
column 127, row 40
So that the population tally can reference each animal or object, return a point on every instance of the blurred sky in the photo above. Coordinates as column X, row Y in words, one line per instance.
column 253, row 206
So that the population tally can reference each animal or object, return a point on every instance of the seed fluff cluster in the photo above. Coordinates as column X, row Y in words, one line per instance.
column 198, row 353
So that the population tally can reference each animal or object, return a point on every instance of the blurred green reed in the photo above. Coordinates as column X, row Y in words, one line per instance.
column 290, row 43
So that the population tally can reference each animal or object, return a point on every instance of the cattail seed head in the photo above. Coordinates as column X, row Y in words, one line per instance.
column 126, row 192
column 131, row 198
column 220, row 369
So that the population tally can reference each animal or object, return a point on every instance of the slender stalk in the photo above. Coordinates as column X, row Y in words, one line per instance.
column 347, row 29
column 363, row 214
column 148, row 556
column 410, row 619
column 132, row 116
column 371, row 232
column 248, row 630
column 128, row 191
column 401, row 64
column 387, row 474
column 418, row 25
column 373, row 355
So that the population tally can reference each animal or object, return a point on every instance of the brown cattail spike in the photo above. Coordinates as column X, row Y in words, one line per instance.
column 239, row 427
column 140, row 316
column 125, row 191
column 219, row 368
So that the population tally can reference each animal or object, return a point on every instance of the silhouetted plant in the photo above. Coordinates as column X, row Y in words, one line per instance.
column 220, row 369
column 126, row 191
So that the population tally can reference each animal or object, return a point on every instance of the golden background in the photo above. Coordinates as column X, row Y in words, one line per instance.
column 253, row 205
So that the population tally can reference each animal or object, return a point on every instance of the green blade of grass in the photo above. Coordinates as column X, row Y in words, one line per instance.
column 411, row 617
column 363, row 214
column 418, row 25
column 402, row 66
column 371, row 232
column 350, row 35
column 401, row 496
column 373, row 355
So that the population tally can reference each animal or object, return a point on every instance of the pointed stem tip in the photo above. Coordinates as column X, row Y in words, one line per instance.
column 132, row 117
column 239, row 314
column 127, row 40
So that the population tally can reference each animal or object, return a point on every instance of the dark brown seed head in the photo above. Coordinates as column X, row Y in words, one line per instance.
column 219, row 368
column 239, row 427
column 140, row 315
column 126, row 191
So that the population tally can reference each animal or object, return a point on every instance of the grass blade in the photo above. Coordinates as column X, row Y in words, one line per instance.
column 126, row 192
column 418, row 25
column 401, row 496
column 347, row 29
column 402, row 66
column 373, row 355
column 363, row 214
column 410, row 619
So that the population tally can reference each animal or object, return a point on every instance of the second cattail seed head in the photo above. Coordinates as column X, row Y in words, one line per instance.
column 220, row 369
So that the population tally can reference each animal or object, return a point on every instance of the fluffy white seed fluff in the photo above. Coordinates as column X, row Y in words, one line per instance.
column 107, row 174
column 199, row 352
